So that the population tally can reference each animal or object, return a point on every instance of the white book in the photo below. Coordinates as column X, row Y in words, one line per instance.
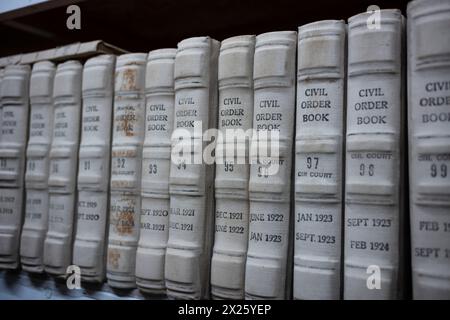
column 15, row 106
column 232, row 169
column 89, row 250
column 37, row 167
column 126, row 163
column 374, row 157
column 191, row 219
column 268, row 266
column 63, row 167
column 2, row 73
column 319, row 160
column 429, row 146
column 154, row 219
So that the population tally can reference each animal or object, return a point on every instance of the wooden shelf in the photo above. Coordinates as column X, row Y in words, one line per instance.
column 17, row 285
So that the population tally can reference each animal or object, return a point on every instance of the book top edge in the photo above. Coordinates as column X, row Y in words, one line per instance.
column 277, row 35
column 15, row 69
column 418, row 7
column 323, row 28
column 322, row 24
column 43, row 66
column 132, row 59
column 242, row 40
column 101, row 59
column 386, row 15
column 165, row 53
column 70, row 64
column 276, row 38
column 196, row 42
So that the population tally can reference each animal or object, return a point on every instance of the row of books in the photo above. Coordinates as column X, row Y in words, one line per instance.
column 100, row 158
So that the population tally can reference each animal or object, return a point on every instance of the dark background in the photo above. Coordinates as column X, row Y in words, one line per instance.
column 150, row 24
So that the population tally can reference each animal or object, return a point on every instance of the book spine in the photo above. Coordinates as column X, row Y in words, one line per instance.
column 235, row 76
column 126, row 162
column 93, row 168
column 63, row 167
column 191, row 217
column 2, row 74
column 37, row 167
column 268, row 267
column 429, row 142
column 374, row 157
column 15, row 106
column 154, row 223
column 319, row 160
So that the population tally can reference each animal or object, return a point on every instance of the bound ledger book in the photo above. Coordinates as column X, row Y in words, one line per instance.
column 318, row 160
column 93, row 168
column 268, row 268
column 191, row 177
column 159, row 90
column 14, row 104
column 429, row 146
column 63, row 167
column 232, row 167
column 2, row 73
column 126, row 162
column 37, row 167
column 374, row 159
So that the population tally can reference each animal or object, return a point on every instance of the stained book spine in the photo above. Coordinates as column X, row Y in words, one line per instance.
column 429, row 146
column 13, row 138
column 235, row 77
column 93, row 168
column 191, row 178
column 268, row 265
column 37, row 167
column 374, row 157
column 63, row 167
column 126, row 163
column 154, row 222
column 319, row 160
